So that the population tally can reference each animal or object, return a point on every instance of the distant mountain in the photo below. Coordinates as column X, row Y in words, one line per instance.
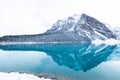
column 74, row 29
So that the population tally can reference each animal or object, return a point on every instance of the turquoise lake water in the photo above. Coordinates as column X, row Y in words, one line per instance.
column 75, row 61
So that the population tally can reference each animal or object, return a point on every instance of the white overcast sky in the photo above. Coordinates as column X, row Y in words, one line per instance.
column 36, row 16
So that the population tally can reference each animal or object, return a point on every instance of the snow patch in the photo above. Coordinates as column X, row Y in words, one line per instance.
column 108, row 41
column 76, row 17
column 100, row 34
column 113, row 27
column 18, row 76
column 72, row 28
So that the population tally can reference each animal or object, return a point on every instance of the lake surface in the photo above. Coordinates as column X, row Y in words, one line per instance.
column 75, row 61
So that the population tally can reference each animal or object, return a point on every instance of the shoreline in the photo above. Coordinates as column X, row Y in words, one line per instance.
column 42, row 76
column 20, row 76
column 9, row 43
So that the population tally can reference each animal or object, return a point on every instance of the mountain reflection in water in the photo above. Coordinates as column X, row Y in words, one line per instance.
column 75, row 56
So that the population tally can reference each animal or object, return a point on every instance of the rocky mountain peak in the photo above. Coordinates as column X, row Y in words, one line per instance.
column 82, row 19
column 84, row 25
column 94, row 28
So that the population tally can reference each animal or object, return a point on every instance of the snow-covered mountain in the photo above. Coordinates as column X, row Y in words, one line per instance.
column 76, row 28
column 65, row 25
column 84, row 25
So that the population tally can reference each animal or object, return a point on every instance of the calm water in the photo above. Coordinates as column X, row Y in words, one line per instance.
column 76, row 61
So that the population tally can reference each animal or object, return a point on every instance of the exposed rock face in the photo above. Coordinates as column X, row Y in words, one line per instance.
column 94, row 29
column 78, row 29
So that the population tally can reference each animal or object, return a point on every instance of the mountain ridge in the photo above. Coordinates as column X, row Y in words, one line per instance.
column 74, row 29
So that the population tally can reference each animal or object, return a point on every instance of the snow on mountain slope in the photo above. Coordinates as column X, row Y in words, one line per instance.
column 84, row 25
column 67, row 24
column 115, row 29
